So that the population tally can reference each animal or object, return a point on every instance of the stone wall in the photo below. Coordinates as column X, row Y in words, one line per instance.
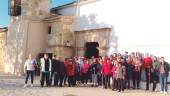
column 2, row 49
column 61, row 33
column 35, row 9
column 102, row 36
column 18, row 37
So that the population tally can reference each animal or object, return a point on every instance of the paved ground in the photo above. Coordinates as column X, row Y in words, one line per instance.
column 13, row 86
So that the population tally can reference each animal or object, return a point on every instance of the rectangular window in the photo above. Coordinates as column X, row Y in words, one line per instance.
column 49, row 30
column 14, row 7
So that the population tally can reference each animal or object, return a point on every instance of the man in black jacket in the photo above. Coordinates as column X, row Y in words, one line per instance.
column 52, row 68
column 56, row 68
column 62, row 72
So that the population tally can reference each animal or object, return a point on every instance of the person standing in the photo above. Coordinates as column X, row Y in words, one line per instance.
column 136, row 70
column 52, row 75
column 106, row 71
column 147, row 64
column 85, row 72
column 155, row 74
column 120, row 74
column 128, row 67
column 114, row 79
column 94, row 70
column 99, row 75
column 61, row 72
column 29, row 68
column 71, row 71
column 46, row 65
column 163, row 69
column 55, row 67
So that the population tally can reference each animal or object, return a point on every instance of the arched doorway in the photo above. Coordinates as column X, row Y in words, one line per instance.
column 91, row 49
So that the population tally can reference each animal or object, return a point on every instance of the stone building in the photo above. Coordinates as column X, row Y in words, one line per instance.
column 99, row 27
column 3, row 40
column 39, row 29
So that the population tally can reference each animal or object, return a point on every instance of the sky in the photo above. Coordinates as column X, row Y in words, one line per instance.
column 4, row 17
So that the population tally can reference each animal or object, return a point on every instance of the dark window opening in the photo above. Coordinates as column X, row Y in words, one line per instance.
column 14, row 7
column 49, row 30
column 91, row 50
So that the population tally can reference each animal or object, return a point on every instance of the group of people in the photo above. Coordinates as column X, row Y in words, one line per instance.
column 121, row 69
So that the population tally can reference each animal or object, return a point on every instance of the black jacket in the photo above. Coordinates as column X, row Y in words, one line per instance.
column 166, row 68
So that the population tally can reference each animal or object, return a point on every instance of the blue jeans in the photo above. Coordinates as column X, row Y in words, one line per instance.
column 163, row 82
column 29, row 72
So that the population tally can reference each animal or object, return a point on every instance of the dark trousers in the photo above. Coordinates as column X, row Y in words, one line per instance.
column 154, row 85
column 99, row 79
column 71, row 81
column 29, row 72
column 107, row 81
column 85, row 78
column 136, row 79
column 51, row 77
column 61, row 79
column 128, row 76
column 127, row 80
column 148, row 77
column 155, row 80
column 120, row 84
column 58, row 79
column 65, row 79
column 114, row 84
column 45, row 77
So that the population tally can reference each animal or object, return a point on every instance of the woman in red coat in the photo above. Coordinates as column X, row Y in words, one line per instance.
column 106, row 71
column 85, row 71
column 71, row 71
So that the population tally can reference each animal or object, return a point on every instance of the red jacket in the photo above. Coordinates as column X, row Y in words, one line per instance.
column 147, row 62
column 114, row 71
column 85, row 68
column 70, row 70
column 106, row 68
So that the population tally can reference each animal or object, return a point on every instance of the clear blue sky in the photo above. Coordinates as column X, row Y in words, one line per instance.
column 4, row 17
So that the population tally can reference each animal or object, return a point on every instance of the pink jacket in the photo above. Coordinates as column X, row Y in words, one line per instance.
column 114, row 71
column 85, row 68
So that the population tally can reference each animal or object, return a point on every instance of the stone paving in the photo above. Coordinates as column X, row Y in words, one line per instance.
column 13, row 86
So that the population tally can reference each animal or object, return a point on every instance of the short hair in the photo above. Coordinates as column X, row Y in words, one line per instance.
column 45, row 54
column 54, row 55
column 162, row 57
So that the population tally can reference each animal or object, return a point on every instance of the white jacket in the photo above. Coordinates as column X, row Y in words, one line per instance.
column 43, row 64
column 29, row 64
